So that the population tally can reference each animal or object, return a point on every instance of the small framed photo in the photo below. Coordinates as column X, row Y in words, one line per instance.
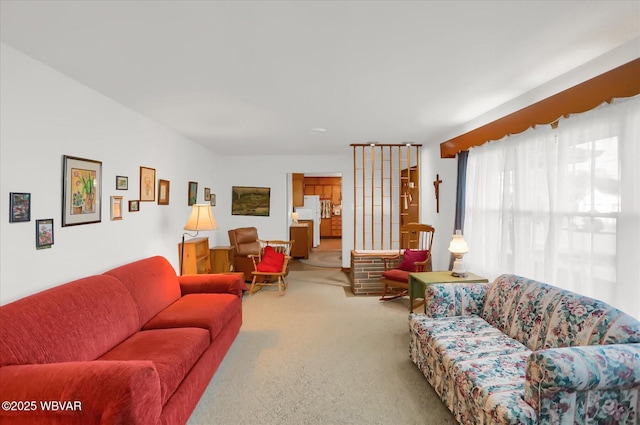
column 116, row 208
column 134, row 206
column 122, row 183
column 147, row 184
column 207, row 194
column 19, row 207
column 193, row 193
column 44, row 233
column 163, row 192
column 212, row 200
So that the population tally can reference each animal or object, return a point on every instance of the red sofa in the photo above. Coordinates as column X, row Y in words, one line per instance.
column 135, row 345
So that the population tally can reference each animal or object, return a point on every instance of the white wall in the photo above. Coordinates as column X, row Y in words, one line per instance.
column 274, row 171
column 46, row 115
column 443, row 221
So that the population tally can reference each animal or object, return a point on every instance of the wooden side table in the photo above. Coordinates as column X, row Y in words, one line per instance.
column 221, row 258
column 418, row 283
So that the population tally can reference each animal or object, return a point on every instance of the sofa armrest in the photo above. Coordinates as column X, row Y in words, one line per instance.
column 212, row 284
column 608, row 376
column 95, row 392
column 454, row 299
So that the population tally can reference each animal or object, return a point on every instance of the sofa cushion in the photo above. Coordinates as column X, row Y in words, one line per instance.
column 397, row 275
column 77, row 321
column 411, row 257
column 207, row 311
column 494, row 387
column 152, row 283
column 173, row 352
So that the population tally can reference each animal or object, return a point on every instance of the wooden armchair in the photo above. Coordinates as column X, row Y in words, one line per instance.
column 414, row 255
column 271, row 266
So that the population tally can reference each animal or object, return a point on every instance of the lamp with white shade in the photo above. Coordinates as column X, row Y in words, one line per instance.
column 458, row 247
column 294, row 217
column 201, row 219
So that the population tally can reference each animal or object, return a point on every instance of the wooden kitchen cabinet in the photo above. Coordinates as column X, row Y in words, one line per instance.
column 336, row 226
column 297, row 182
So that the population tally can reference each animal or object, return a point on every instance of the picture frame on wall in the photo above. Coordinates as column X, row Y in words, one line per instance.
column 193, row 193
column 19, row 207
column 44, row 233
column 134, row 206
column 116, row 208
column 122, row 183
column 250, row 201
column 81, row 191
column 147, row 184
column 163, row 192
column 207, row 194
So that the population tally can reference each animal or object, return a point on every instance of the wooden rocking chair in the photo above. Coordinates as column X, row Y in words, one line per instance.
column 415, row 249
column 272, row 264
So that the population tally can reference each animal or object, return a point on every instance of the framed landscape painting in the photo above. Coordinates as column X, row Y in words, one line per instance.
column 250, row 200
column 81, row 191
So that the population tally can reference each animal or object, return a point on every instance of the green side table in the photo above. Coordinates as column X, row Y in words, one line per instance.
column 418, row 283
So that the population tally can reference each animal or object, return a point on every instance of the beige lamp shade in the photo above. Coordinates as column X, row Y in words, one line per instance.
column 201, row 218
column 294, row 217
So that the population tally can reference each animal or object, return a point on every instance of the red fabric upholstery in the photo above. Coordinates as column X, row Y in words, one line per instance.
column 71, row 322
column 173, row 352
column 117, row 392
column 153, row 284
column 397, row 275
column 411, row 257
column 205, row 311
column 212, row 283
column 55, row 345
column 271, row 261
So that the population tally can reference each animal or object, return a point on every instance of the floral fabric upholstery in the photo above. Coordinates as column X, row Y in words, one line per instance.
column 519, row 351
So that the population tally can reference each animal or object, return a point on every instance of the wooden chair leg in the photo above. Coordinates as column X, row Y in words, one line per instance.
column 253, row 284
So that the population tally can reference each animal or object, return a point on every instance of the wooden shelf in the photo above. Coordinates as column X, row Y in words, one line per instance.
column 196, row 256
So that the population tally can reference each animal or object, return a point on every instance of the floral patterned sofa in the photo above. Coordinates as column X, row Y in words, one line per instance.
column 518, row 351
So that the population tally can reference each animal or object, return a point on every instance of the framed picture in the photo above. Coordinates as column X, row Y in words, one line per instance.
column 116, row 208
column 250, row 200
column 122, row 183
column 134, row 206
column 163, row 192
column 147, row 184
column 212, row 200
column 207, row 194
column 81, row 191
column 193, row 193
column 19, row 207
column 44, row 233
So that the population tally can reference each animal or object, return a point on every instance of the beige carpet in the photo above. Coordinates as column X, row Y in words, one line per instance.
column 320, row 258
column 316, row 356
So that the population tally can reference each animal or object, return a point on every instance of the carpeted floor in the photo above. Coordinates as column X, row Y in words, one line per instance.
column 316, row 356
column 318, row 258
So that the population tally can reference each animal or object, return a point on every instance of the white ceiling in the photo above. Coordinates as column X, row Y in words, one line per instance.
column 257, row 76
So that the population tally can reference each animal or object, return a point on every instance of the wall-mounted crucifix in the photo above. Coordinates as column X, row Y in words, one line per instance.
column 436, row 185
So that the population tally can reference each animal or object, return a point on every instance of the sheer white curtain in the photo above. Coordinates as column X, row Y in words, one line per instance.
column 562, row 206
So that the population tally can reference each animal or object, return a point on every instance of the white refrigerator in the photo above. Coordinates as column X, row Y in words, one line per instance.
column 311, row 211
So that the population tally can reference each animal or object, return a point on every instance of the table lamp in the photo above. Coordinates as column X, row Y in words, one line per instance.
column 458, row 247
column 294, row 217
column 201, row 219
